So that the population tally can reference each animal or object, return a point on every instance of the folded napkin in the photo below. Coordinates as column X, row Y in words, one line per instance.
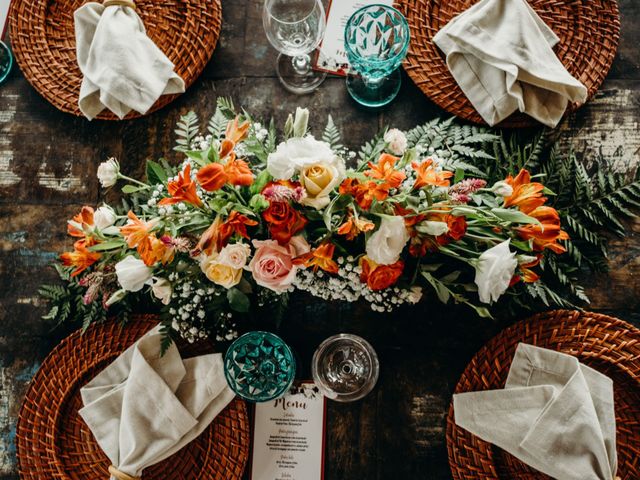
column 144, row 407
column 554, row 414
column 122, row 68
column 501, row 54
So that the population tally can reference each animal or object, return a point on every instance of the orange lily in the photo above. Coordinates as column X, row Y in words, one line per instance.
column 547, row 233
column 81, row 258
column 527, row 195
column 214, row 176
column 136, row 231
column 353, row 226
column 428, row 175
column 321, row 257
column 384, row 170
column 182, row 190
column 81, row 222
column 235, row 224
column 237, row 132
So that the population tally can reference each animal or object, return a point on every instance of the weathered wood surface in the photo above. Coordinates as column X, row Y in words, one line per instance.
column 47, row 165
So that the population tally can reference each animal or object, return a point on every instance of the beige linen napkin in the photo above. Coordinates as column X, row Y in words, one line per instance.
column 144, row 407
column 122, row 68
column 500, row 53
column 554, row 414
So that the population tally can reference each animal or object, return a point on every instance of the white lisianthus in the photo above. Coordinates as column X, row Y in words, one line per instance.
column 386, row 244
column 108, row 173
column 396, row 141
column 104, row 217
column 494, row 271
column 502, row 189
column 162, row 290
column 132, row 274
column 235, row 255
column 433, row 228
column 296, row 154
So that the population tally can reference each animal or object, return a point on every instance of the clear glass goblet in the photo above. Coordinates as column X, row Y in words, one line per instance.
column 295, row 28
column 259, row 367
column 376, row 41
column 345, row 367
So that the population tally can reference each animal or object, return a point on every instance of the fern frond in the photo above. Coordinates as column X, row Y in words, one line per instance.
column 186, row 131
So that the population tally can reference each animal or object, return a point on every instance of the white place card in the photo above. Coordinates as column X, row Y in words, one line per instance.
column 332, row 57
column 4, row 14
column 288, row 436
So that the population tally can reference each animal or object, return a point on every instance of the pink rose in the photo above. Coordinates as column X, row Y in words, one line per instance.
column 272, row 264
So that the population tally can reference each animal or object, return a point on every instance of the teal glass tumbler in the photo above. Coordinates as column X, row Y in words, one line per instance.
column 259, row 367
column 376, row 41
column 6, row 61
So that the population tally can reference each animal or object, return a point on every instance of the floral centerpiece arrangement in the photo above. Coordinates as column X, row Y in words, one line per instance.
column 244, row 219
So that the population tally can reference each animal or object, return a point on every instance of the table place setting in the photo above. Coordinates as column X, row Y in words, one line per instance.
column 187, row 364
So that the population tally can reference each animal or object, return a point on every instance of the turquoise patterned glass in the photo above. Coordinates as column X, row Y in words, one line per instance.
column 376, row 41
column 6, row 61
column 259, row 366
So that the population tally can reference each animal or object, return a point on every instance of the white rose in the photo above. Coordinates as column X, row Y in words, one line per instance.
column 235, row 255
column 386, row 244
column 396, row 140
column 494, row 271
column 132, row 274
column 162, row 290
column 104, row 217
column 296, row 154
column 502, row 188
column 108, row 173
column 433, row 228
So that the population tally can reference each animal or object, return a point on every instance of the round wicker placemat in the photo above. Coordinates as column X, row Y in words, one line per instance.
column 44, row 44
column 54, row 442
column 604, row 343
column 589, row 32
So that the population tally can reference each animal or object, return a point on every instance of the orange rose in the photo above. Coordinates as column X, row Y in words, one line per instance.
column 379, row 277
column 284, row 221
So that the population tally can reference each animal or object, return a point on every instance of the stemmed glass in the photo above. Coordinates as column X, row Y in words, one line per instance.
column 376, row 41
column 345, row 367
column 295, row 28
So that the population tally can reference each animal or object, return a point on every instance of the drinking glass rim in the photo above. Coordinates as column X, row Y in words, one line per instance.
column 405, row 23
column 316, row 3
column 8, row 50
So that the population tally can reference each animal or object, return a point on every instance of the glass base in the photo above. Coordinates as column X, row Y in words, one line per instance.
column 374, row 93
column 296, row 74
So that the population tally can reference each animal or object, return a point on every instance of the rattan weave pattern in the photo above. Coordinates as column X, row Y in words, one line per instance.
column 43, row 41
column 604, row 343
column 53, row 442
column 589, row 32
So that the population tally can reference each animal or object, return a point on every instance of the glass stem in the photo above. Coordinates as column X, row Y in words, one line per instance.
column 301, row 64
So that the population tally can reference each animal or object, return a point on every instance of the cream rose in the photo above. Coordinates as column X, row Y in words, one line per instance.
column 272, row 264
column 386, row 244
column 108, row 173
column 297, row 154
column 162, row 290
column 220, row 273
column 319, row 180
column 494, row 271
column 235, row 255
column 396, row 141
column 132, row 274
column 104, row 217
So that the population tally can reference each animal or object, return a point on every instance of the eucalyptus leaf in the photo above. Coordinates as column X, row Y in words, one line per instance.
column 238, row 301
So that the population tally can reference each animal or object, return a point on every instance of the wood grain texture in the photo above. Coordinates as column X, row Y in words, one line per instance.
column 47, row 165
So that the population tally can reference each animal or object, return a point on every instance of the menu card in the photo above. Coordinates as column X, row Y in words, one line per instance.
column 332, row 57
column 288, row 436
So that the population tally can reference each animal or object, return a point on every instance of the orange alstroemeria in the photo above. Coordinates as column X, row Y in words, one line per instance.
column 236, row 132
column 238, row 173
column 182, row 190
column 526, row 274
column 81, row 222
column 384, row 170
column 526, row 195
column 365, row 193
column 547, row 233
column 153, row 250
column 354, row 226
column 428, row 175
column 209, row 239
column 214, row 176
column 81, row 258
column 320, row 258
column 136, row 231
column 235, row 224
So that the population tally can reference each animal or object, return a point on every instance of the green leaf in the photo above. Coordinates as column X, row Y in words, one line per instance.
column 238, row 301
column 132, row 189
column 459, row 175
column 156, row 173
column 104, row 246
column 513, row 216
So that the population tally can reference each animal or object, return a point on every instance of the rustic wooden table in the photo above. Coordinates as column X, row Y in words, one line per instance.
column 47, row 171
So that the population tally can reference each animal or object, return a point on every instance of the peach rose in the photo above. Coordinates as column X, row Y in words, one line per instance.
column 272, row 264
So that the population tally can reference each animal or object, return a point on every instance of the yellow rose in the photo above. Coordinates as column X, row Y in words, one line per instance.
column 219, row 273
column 319, row 180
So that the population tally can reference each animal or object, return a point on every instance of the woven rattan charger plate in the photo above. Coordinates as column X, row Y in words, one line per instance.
column 54, row 442
column 44, row 44
column 604, row 343
column 589, row 32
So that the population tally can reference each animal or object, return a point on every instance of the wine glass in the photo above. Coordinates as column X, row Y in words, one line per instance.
column 259, row 367
column 295, row 28
column 345, row 367
column 376, row 41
